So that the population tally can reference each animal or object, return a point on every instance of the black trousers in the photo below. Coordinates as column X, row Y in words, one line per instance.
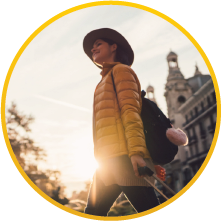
column 101, row 197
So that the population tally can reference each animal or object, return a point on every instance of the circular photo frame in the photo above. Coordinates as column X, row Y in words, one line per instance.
column 192, row 102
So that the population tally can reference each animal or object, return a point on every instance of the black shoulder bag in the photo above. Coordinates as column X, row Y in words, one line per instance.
column 155, row 123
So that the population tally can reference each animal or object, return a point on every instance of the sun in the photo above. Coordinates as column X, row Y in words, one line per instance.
column 85, row 164
column 87, row 171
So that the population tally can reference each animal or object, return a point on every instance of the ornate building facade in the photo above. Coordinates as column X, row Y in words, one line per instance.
column 200, row 122
column 191, row 106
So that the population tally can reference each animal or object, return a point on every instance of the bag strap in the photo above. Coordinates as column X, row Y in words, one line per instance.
column 114, row 88
column 113, row 82
column 143, row 93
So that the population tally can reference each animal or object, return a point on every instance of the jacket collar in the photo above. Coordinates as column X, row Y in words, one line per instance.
column 107, row 66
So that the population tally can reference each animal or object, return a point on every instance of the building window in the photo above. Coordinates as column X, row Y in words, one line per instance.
column 196, row 149
column 202, row 130
column 209, row 101
column 187, row 176
column 202, row 106
column 187, row 155
column 188, row 133
column 191, row 114
column 186, row 117
column 191, row 150
column 181, row 99
column 196, row 111
column 214, row 97
column 204, row 143
column 194, row 132
column 211, row 127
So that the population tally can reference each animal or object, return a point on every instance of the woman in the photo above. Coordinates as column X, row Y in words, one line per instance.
column 119, row 141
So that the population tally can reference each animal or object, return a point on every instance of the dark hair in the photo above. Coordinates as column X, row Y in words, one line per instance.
column 121, row 55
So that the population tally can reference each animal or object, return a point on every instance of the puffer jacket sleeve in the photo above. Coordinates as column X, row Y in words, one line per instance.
column 129, row 99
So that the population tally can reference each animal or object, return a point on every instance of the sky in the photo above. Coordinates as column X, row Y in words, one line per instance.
column 54, row 80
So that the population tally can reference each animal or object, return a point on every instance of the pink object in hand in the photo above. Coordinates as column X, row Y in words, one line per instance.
column 177, row 136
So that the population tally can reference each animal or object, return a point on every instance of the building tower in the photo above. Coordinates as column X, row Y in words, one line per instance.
column 186, row 101
column 150, row 93
column 177, row 90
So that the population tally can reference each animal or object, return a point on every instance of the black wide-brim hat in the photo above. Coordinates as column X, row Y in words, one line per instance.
column 111, row 34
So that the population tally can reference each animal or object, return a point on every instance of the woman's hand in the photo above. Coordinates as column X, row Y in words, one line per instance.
column 137, row 160
column 161, row 172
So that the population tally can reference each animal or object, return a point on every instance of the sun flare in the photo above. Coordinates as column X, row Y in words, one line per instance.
column 84, row 162
column 87, row 171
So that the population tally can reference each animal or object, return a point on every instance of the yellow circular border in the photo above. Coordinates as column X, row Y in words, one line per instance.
column 87, row 5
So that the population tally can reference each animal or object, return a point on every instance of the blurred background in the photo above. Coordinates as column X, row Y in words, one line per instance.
column 50, row 96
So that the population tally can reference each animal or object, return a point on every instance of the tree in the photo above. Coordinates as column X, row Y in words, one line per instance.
column 18, row 133
column 24, row 148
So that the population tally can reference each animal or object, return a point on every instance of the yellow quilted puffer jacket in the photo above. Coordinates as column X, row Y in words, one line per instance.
column 117, row 125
